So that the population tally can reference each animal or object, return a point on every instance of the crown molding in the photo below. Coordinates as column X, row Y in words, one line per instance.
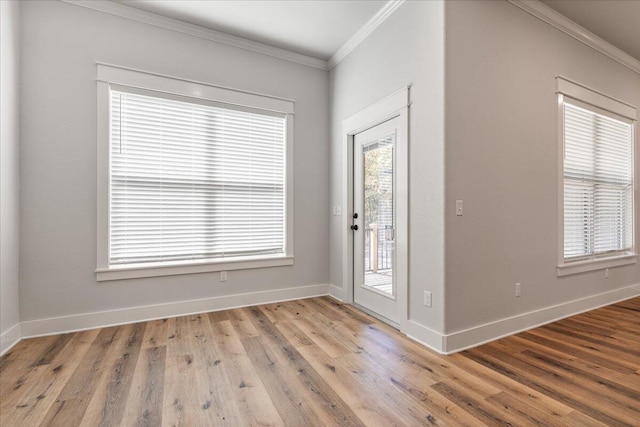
column 567, row 26
column 149, row 18
column 364, row 32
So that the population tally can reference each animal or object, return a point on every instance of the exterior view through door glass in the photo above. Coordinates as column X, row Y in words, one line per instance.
column 378, row 214
column 374, row 206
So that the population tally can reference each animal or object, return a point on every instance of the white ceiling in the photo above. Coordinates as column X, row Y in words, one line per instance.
column 616, row 21
column 316, row 28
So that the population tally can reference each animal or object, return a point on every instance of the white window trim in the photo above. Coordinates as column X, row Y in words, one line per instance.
column 584, row 266
column 108, row 75
column 587, row 95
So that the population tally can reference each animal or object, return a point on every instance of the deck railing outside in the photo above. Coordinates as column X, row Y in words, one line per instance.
column 378, row 248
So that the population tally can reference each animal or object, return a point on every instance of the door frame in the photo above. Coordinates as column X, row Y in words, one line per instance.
column 392, row 106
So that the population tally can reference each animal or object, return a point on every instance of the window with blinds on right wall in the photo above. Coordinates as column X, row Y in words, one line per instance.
column 596, row 135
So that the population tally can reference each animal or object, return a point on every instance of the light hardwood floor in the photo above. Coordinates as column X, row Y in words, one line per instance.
column 318, row 362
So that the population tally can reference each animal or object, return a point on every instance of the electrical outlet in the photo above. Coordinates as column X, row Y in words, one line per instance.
column 223, row 276
column 518, row 290
column 427, row 298
column 606, row 273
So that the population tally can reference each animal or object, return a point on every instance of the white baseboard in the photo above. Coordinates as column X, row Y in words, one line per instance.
column 10, row 338
column 84, row 321
column 336, row 292
column 487, row 332
column 443, row 344
column 425, row 336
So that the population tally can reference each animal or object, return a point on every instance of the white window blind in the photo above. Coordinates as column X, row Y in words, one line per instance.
column 190, row 181
column 598, row 183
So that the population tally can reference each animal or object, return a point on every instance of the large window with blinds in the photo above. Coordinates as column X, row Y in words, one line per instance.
column 193, row 181
column 598, row 182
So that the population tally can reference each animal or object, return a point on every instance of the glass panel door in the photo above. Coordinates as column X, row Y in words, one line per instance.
column 374, row 221
column 378, row 214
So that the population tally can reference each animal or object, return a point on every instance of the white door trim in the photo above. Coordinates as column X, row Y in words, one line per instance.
column 394, row 105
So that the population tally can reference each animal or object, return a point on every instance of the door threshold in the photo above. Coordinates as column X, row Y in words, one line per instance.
column 377, row 316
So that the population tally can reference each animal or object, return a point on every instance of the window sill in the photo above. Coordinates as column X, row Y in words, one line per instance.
column 156, row 270
column 595, row 264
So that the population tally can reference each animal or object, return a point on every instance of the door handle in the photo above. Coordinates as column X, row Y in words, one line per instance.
column 354, row 227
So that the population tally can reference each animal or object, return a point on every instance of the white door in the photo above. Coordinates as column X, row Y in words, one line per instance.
column 375, row 286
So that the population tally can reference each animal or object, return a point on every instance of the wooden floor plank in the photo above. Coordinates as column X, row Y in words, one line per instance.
column 241, row 323
column 543, row 381
column 523, row 413
column 592, row 345
column 420, row 403
column 181, row 401
column 254, row 403
column 144, row 406
column 16, row 365
column 108, row 403
column 293, row 333
column 214, row 388
column 514, row 388
column 319, row 362
column 322, row 337
column 72, row 402
column 608, row 360
column 370, row 409
column 327, row 405
column 155, row 334
column 218, row 316
column 54, row 349
column 43, row 393
column 291, row 407
column 13, row 403
column 521, row 345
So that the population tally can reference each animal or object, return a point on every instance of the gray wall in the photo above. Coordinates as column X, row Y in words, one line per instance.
column 9, row 184
column 501, row 65
column 60, row 45
column 407, row 49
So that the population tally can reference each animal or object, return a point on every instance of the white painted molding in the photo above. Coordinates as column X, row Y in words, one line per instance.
column 443, row 344
column 482, row 334
column 364, row 32
column 10, row 338
column 149, row 18
column 394, row 105
column 141, row 79
column 378, row 112
column 154, row 19
column 487, row 332
column 336, row 293
column 595, row 98
column 425, row 336
column 100, row 319
column 593, row 264
column 567, row 26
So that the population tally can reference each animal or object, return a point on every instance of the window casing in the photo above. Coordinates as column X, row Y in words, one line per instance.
column 597, row 189
column 190, row 183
